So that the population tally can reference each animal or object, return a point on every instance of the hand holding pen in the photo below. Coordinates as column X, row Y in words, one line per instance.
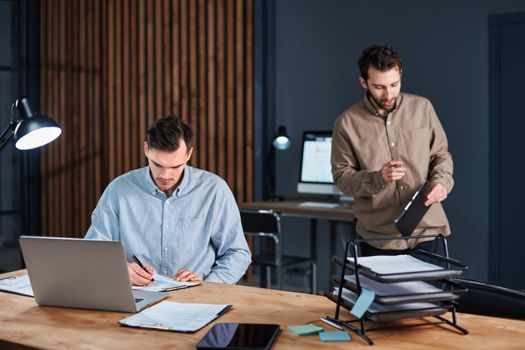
column 139, row 274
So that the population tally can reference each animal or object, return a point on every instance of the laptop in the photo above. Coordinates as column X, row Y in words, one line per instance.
column 84, row 274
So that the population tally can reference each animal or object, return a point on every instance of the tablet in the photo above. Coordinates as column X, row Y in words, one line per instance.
column 248, row 336
column 414, row 211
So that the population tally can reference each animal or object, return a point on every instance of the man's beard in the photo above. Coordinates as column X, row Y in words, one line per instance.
column 380, row 104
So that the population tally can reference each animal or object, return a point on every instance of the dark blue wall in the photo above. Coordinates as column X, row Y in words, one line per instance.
column 444, row 47
column 19, row 170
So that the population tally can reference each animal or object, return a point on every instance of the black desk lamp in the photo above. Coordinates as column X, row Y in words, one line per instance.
column 280, row 142
column 31, row 129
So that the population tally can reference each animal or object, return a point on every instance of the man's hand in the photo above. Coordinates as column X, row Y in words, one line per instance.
column 393, row 170
column 437, row 193
column 184, row 275
column 138, row 276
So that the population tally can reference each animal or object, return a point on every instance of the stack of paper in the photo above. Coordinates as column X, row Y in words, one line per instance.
column 389, row 264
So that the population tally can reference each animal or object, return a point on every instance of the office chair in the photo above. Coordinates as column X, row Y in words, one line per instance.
column 267, row 224
column 491, row 300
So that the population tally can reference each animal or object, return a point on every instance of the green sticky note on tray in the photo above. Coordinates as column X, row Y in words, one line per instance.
column 306, row 329
column 363, row 302
column 335, row 336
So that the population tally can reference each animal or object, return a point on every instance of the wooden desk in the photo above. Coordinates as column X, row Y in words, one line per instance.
column 292, row 207
column 24, row 324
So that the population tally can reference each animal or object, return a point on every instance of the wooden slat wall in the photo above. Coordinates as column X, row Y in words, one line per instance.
column 110, row 67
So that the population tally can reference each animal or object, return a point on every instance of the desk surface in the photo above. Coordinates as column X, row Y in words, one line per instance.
column 25, row 323
column 293, row 207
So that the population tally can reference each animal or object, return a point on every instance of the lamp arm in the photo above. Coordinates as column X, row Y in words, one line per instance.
column 7, row 134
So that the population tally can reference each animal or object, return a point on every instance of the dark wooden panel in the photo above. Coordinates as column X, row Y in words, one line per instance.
column 111, row 67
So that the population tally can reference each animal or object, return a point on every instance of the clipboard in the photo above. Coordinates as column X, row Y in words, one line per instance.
column 176, row 317
column 414, row 211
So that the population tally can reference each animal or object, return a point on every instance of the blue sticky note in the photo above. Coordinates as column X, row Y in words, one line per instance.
column 306, row 329
column 335, row 336
column 363, row 302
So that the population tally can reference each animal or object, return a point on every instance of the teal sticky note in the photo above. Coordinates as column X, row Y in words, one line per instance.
column 306, row 329
column 363, row 302
column 335, row 336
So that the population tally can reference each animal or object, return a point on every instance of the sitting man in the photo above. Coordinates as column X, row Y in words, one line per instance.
column 178, row 220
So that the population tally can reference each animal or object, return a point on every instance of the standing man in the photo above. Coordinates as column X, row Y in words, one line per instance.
column 179, row 220
column 383, row 148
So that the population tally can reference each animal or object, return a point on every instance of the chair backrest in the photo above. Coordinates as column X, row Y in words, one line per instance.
column 491, row 300
column 260, row 222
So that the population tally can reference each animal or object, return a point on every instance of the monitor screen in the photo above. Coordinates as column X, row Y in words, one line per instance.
column 315, row 174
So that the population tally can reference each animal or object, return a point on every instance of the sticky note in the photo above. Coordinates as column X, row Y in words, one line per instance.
column 363, row 303
column 335, row 336
column 307, row 329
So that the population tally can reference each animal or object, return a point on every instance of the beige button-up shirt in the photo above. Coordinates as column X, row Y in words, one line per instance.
column 363, row 141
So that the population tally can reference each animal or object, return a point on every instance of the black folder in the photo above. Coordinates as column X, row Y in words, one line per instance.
column 414, row 211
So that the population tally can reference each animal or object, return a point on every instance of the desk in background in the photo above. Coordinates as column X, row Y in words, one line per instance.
column 294, row 208
column 25, row 325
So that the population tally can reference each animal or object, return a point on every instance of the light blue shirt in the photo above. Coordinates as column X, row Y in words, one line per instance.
column 197, row 228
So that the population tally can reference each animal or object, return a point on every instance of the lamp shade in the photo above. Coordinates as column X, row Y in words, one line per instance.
column 282, row 141
column 34, row 129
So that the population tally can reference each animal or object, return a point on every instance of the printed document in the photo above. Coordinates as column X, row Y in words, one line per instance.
column 18, row 285
column 164, row 284
column 171, row 316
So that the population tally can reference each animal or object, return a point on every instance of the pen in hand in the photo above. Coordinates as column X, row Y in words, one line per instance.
column 142, row 266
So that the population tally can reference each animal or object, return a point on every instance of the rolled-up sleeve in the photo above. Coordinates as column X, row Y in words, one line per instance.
column 441, row 165
column 346, row 171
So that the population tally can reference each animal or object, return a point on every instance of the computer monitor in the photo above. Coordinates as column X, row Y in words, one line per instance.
column 315, row 174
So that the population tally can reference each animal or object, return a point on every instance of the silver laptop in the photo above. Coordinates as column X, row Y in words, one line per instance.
column 84, row 274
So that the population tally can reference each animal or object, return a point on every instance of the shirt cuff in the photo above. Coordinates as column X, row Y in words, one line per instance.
column 442, row 181
column 379, row 182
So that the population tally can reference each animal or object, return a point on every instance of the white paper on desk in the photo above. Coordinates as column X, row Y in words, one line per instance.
column 172, row 316
column 18, row 285
column 399, row 288
column 375, row 307
column 164, row 284
column 390, row 264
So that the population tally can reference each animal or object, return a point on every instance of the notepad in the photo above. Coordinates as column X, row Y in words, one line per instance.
column 306, row 329
column 165, row 284
column 177, row 317
column 18, row 285
column 366, row 298
column 334, row 336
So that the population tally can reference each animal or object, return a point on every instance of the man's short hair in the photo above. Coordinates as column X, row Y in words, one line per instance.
column 381, row 57
column 165, row 134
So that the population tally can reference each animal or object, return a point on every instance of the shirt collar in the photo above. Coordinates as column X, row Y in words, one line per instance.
column 179, row 191
column 153, row 189
column 150, row 184
column 373, row 108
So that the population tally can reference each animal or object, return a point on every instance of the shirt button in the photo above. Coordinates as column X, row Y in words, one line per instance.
column 402, row 187
column 164, row 272
column 393, row 144
column 167, row 226
column 165, row 249
column 388, row 122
